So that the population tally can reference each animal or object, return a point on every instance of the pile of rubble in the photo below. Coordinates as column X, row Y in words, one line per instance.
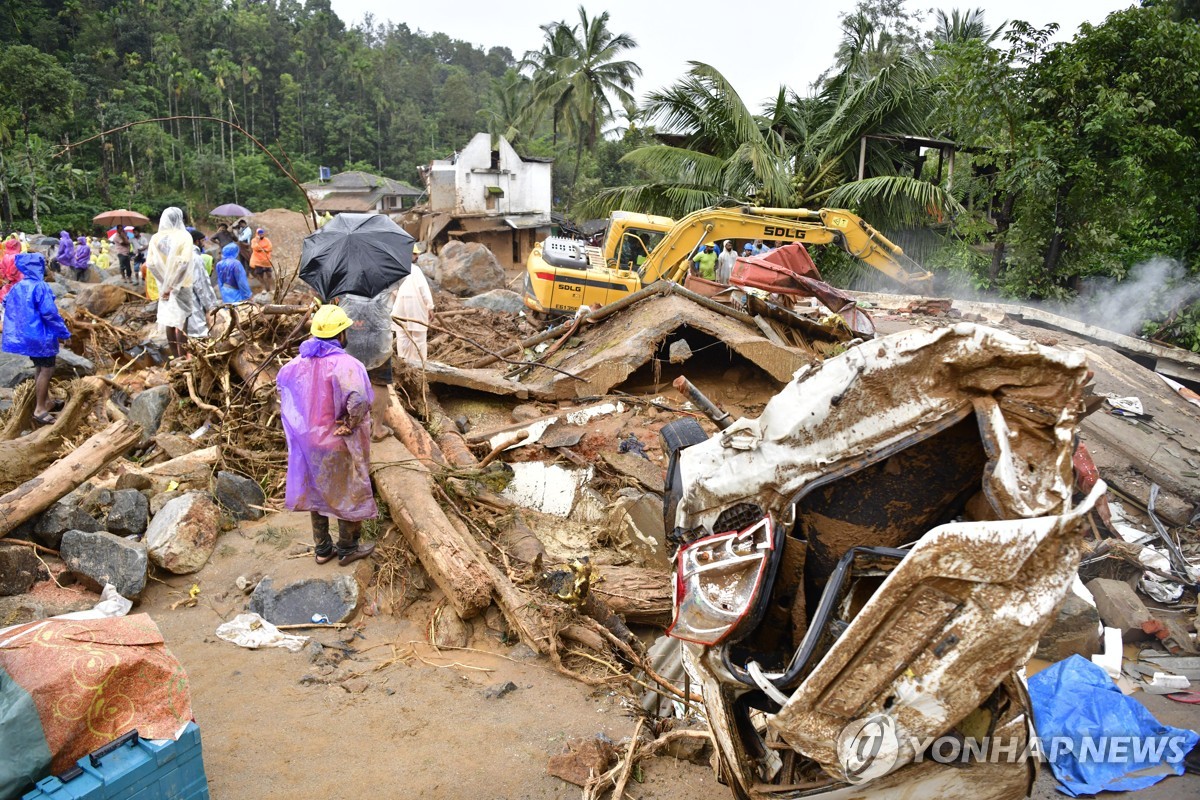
column 522, row 472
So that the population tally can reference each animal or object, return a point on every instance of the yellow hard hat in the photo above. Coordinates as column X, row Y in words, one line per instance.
column 329, row 321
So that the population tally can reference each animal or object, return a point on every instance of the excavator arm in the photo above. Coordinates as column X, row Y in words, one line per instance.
column 670, row 259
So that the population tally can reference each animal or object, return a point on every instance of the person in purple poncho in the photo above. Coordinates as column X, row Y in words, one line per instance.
column 82, row 258
column 325, row 402
column 65, row 255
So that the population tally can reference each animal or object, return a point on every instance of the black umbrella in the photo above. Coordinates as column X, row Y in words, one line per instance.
column 360, row 254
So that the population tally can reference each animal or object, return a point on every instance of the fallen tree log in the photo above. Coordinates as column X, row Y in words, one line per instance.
column 63, row 476
column 636, row 593
column 451, row 442
column 247, row 362
column 194, row 468
column 517, row 606
column 24, row 457
column 406, row 486
column 409, row 431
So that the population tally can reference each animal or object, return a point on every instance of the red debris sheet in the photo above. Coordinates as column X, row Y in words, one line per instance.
column 790, row 270
column 91, row 681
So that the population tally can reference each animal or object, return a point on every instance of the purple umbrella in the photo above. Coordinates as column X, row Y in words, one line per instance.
column 230, row 210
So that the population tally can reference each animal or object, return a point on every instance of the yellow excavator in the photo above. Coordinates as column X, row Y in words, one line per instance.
column 639, row 249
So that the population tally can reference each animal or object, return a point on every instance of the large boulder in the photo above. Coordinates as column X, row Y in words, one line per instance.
column 468, row 269
column 19, row 568
column 183, row 534
column 240, row 496
column 68, row 365
column 101, row 299
column 147, row 410
column 57, row 520
column 501, row 300
column 129, row 513
column 297, row 603
column 99, row 557
column 15, row 370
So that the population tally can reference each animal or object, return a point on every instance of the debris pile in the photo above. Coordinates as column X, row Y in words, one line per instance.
column 522, row 480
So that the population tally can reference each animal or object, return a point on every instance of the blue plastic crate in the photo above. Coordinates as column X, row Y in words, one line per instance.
column 132, row 768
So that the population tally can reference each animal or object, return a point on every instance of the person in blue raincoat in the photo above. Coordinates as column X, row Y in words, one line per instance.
column 325, row 404
column 33, row 327
column 231, row 276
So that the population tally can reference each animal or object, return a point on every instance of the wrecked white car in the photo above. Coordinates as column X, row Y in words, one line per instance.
column 869, row 563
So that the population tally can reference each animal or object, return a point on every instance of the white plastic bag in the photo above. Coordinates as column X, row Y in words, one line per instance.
column 252, row 631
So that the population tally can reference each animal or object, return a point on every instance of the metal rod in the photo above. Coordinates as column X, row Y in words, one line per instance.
column 719, row 416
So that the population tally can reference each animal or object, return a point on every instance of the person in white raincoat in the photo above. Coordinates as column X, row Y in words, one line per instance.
column 413, row 302
column 169, row 259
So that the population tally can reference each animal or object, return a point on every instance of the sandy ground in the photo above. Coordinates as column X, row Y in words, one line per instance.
column 276, row 725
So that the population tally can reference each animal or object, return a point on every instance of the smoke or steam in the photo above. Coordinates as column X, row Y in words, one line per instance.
column 1151, row 289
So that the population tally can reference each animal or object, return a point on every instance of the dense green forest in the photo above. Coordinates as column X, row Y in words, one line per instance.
column 1075, row 161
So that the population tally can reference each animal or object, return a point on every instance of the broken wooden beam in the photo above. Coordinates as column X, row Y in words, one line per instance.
column 406, row 486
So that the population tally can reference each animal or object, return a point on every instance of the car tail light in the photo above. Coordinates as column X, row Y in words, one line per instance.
column 717, row 581
column 544, row 276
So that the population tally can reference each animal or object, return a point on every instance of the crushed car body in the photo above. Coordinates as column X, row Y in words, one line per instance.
column 884, row 545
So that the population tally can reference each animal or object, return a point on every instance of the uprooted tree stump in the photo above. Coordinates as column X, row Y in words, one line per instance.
column 23, row 457
column 63, row 476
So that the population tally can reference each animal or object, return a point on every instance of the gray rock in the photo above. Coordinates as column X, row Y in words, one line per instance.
column 147, row 410
column 18, row 610
column 496, row 691
column 183, row 535
column 68, row 366
column 428, row 263
column 336, row 598
column 19, row 568
column 95, row 502
column 523, row 652
column 134, row 480
column 15, row 370
column 100, row 557
column 523, row 412
column 239, row 495
column 500, row 300
column 468, row 269
column 59, row 289
column 679, row 351
column 129, row 514
column 57, row 520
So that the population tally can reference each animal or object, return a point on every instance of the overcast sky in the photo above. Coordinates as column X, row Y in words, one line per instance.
column 757, row 44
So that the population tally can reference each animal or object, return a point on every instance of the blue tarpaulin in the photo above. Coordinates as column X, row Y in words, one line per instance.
column 1097, row 739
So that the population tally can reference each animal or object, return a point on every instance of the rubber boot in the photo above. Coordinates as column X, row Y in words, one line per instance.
column 348, row 548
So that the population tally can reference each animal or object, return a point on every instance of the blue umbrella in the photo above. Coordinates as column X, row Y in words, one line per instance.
column 230, row 210
column 360, row 254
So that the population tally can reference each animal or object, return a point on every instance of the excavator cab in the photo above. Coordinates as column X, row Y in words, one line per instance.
column 635, row 248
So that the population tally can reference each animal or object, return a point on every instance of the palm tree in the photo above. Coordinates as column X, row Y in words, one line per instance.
column 719, row 152
column 799, row 152
column 962, row 26
column 548, row 91
column 577, row 73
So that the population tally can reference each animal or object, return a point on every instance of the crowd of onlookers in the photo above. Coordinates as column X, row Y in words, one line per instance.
column 188, row 273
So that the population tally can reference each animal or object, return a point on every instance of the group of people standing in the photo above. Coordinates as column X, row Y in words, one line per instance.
column 714, row 266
